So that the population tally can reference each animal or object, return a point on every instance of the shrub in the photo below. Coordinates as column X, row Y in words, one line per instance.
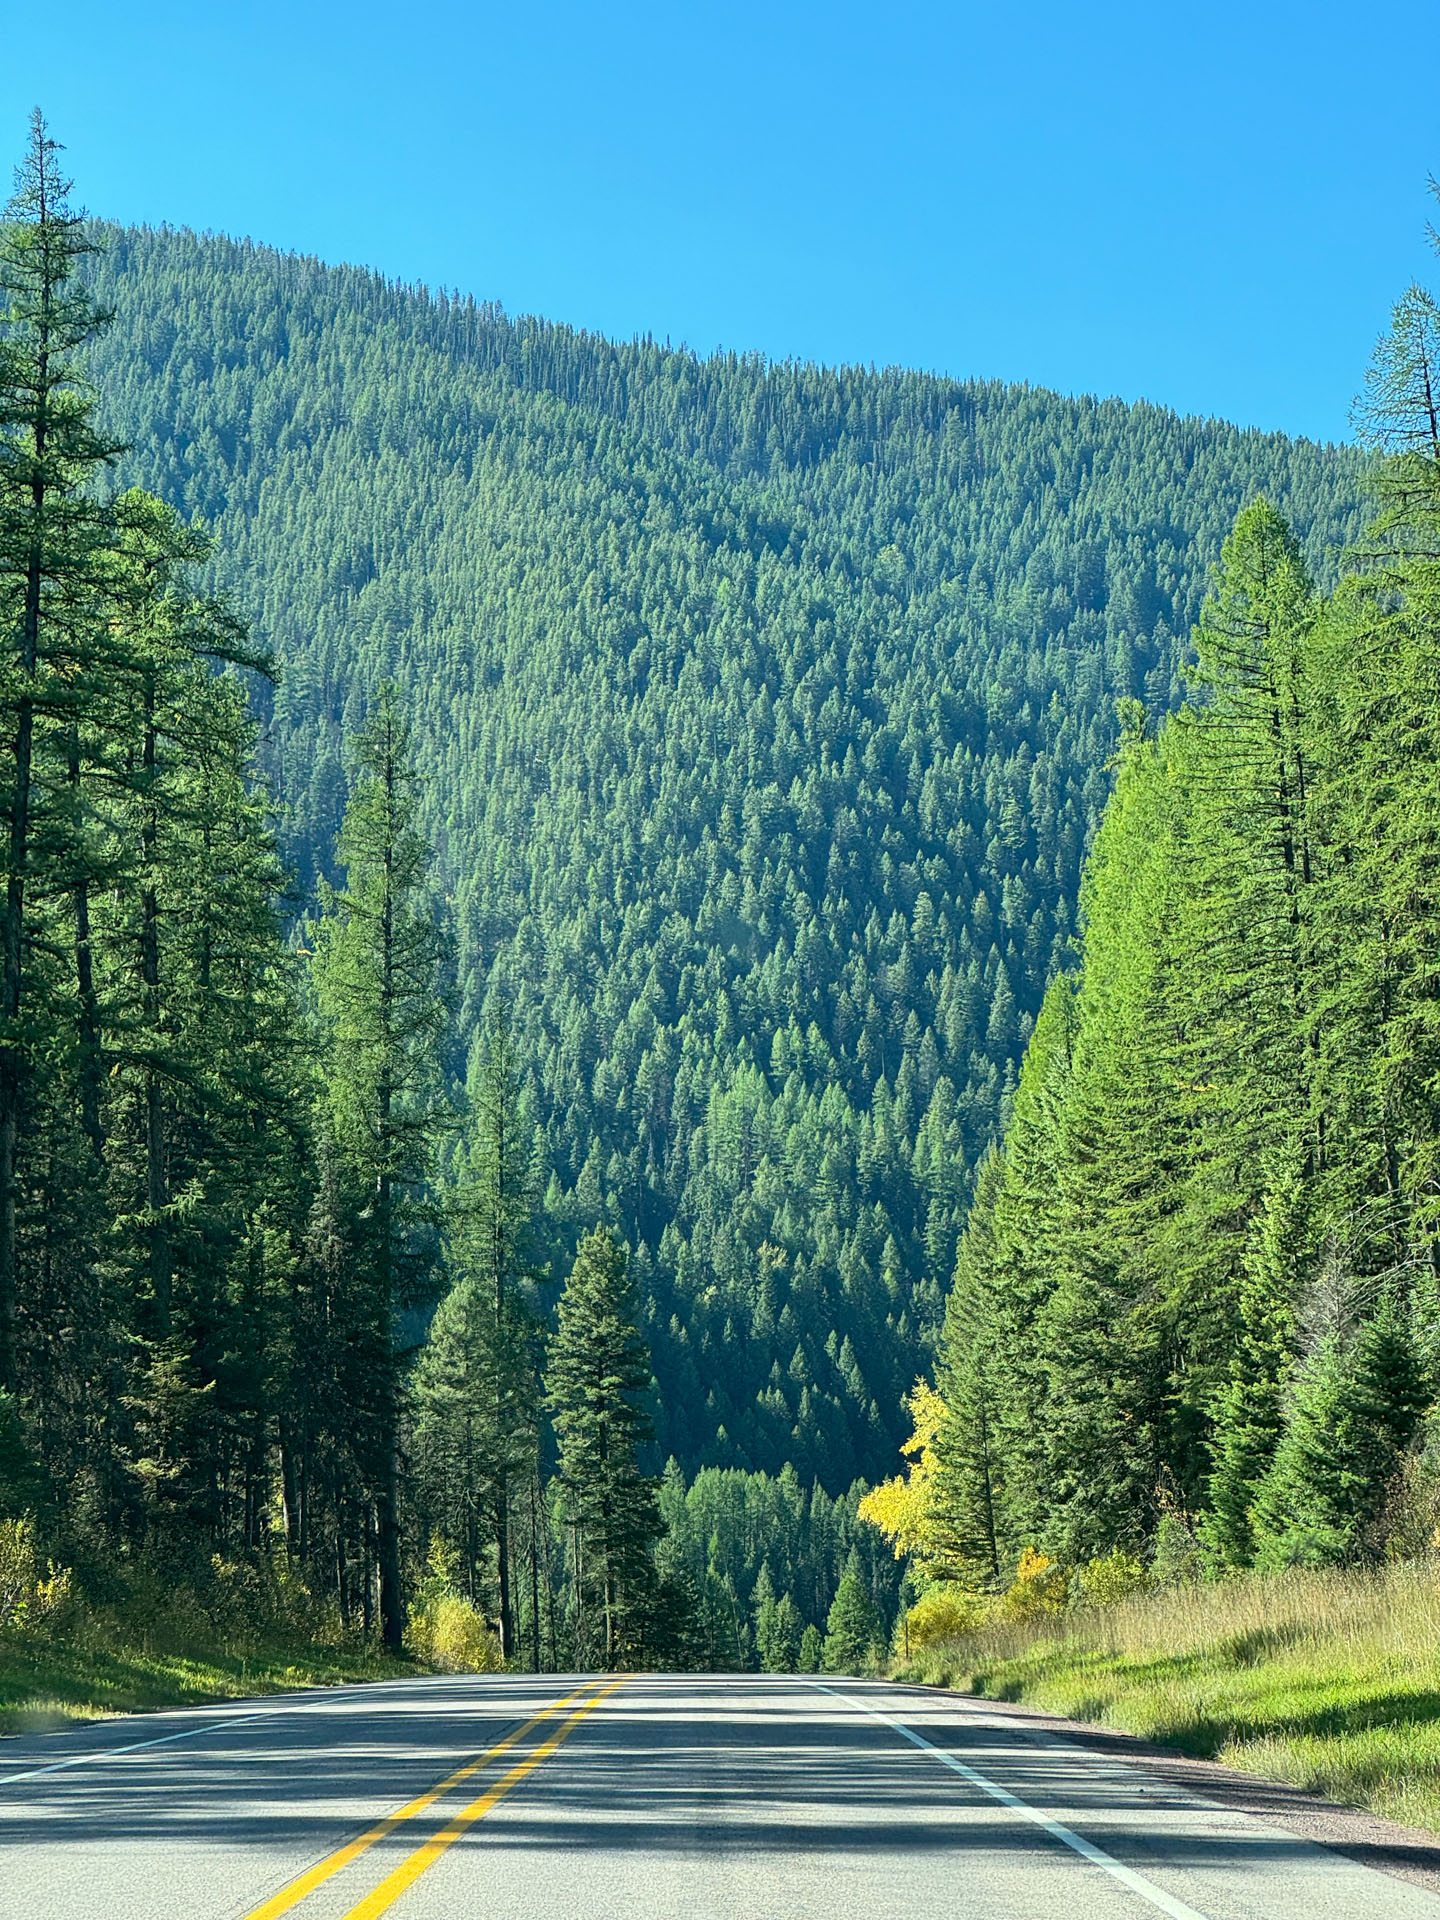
column 944, row 1613
column 1412, row 1509
column 29, row 1601
column 446, row 1630
column 1177, row 1560
column 1111, row 1578
column 1041, row 1585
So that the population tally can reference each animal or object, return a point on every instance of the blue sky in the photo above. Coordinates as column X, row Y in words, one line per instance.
column 1211, row 205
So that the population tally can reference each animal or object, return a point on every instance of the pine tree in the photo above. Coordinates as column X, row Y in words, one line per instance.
column 376, row 974
column 476, row 1389
column 188, row 868
column 597, row 1381
column 55, row 538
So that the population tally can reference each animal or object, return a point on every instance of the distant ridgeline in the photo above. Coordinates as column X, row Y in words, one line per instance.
column 766, row 715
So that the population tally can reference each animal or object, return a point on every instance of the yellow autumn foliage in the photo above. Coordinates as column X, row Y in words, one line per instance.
column 904, row 1508
column 945, row 1612
column 1041, row 1585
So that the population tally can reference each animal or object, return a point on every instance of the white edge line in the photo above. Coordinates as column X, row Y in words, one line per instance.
column 110, row 1753
column 1117, row 1870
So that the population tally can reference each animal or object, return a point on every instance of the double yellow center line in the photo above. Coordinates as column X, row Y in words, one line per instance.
column 409, row 1871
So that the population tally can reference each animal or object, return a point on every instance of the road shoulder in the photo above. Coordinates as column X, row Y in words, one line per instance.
column 1406, row 1853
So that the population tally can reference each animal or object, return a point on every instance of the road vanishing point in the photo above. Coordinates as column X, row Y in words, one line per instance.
column 655, row 1797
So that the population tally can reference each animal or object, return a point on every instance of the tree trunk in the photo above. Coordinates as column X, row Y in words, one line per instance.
column 502, row 1548
column 88, row 1018
column 290, row 1501
column 367, row 1581
column 11, row 972
column 392, row 1603
column 534, row 1579
column 342, row 1583
column 156, row 1194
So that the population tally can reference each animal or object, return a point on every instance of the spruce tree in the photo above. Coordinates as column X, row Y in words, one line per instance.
column 1355, row 1404
column 969, row 1492
column 854, row 1631
column 777, row 1626
column 1250, row 1412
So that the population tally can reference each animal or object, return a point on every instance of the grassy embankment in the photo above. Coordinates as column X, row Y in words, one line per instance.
column 1328, row 1681
column 45, row 1683
column 135, row 1636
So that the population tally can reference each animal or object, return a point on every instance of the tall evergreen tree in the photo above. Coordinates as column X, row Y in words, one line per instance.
column 1250, row 1412
column 377, row 982
column 1356, row 1402
column 55, row 537
column 598, row 1381
column 854, row 1630
column 477, row 1386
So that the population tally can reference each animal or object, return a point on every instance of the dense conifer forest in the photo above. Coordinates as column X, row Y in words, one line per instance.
column 764, row 715
column 1193, row 1325
column 547, row 883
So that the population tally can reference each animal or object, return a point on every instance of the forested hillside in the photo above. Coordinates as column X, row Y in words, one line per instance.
column 1195, row 1306
column 764, row 714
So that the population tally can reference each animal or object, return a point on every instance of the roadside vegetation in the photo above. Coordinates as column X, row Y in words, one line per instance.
column 1178, row 1469
column 1326, row 1679
column 130, row 1640
column 305, row 1296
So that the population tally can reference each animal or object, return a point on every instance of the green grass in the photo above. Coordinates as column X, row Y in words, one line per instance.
column 46, row 1684
column 1327, row 1681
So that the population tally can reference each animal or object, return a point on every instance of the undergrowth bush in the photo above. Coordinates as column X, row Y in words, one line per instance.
column 1110, row 1579
column 944, row 1613
column 1042, row 1589
column 30, row 1601
column 183, row 1605
column 1041, row 1586
column 445, row 1630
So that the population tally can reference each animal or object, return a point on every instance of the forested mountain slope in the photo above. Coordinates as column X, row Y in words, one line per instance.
column 765, row 713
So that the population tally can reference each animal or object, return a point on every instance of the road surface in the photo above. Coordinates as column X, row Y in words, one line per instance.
column 674, row 1797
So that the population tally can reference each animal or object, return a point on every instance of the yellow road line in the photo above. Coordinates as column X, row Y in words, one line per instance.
column 292, row 1894
column 424, row 1857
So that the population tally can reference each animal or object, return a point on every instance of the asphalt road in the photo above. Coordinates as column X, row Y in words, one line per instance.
column 677, row 1797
